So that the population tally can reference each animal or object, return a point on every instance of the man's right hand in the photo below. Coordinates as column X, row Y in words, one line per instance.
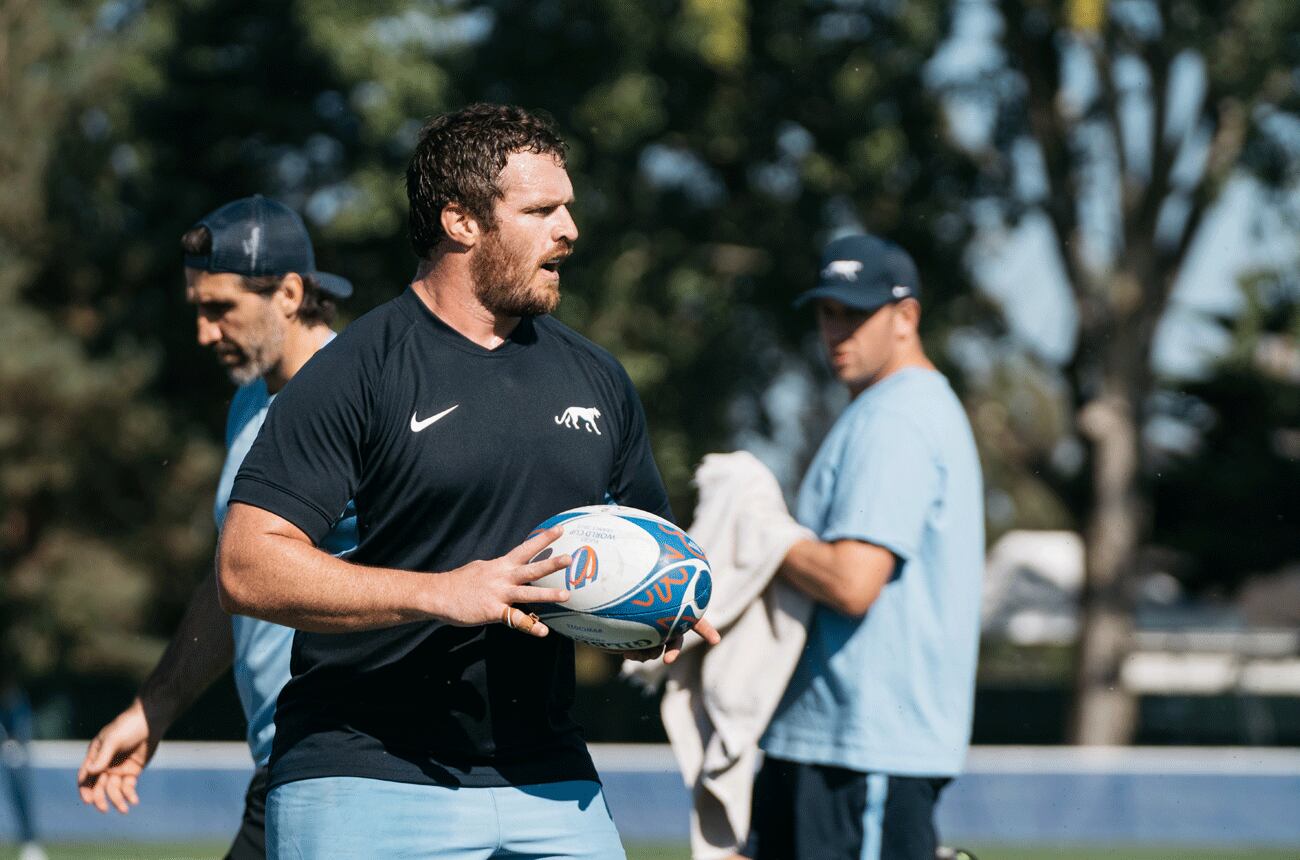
column 485, row 592
column 115, row 759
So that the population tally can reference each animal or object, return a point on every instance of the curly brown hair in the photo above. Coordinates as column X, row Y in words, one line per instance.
column 317, row 307
column 459, row 159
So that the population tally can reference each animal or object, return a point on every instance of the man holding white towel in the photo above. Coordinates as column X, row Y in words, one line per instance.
column 876, row 718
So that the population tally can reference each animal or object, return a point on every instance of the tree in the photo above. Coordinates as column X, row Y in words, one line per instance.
column 1120, row 124
column 87, row 516
column 1228, row 503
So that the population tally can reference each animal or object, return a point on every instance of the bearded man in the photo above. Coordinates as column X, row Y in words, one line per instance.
column 262, row 307
column 428, row 716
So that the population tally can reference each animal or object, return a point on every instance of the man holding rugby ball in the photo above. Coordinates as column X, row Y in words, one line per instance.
column 418, row 722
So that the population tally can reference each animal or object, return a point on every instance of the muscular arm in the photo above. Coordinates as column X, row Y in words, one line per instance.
column 201, row 650
column 846, row 575
column 268, row 568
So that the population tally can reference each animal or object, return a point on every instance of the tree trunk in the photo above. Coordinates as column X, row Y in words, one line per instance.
column 1104, row 712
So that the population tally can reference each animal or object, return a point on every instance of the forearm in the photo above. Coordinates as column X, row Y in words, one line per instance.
column 283, row 580
column 280, row 576
column 268, row 568
column 198, row 653
column 845, row 575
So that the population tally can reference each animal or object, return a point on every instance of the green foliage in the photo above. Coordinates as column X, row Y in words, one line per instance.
column 90, row 524
column 1229, row 504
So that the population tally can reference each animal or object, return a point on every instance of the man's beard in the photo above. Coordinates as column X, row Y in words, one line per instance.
column 263, row 352
column 502, row 277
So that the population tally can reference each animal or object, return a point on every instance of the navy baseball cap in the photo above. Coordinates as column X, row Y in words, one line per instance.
column 256, row 236
column 864, row 272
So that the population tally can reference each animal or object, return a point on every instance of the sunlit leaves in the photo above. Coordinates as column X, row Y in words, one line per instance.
column 624, row 111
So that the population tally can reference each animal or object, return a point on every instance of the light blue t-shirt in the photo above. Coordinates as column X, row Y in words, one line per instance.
column 262, row 649
column 893, row 692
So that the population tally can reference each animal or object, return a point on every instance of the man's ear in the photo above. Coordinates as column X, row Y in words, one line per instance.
column 288, row 295
column 460, row 225
column 908, row 316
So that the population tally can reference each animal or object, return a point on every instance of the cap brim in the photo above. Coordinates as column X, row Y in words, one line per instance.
column 857, row 297
column 337, row 286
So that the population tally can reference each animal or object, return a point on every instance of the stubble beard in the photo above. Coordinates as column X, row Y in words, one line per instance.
column 262, row 353
column 502, row 279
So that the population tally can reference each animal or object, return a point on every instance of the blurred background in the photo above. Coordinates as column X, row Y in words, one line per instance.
column 1101, row 196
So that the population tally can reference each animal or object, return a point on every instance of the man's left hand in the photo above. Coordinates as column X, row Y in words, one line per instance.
column 673, row 647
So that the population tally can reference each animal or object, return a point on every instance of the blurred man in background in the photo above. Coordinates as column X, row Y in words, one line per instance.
column 264, row 310
column 876, row 719
column 15, row 760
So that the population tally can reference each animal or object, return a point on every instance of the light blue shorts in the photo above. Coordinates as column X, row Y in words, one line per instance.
column 348, row 817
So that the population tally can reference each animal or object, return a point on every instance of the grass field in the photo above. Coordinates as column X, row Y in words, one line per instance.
column 677, row 851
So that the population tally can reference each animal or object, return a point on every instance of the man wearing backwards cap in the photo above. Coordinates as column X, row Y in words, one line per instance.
column 876, row 719
column 250, row 273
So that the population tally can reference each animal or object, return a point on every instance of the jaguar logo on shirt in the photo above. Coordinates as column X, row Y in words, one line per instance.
column 580, row 418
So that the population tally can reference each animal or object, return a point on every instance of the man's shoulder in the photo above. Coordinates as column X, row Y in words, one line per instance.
column 366, row 343
column 566, row 338
column 919, row 406
column 250, row 395
column 377, row 327
column 915, row 396
column 355, row 359
column 248, row 400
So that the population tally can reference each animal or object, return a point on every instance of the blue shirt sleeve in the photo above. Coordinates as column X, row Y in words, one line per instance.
column 886, row 485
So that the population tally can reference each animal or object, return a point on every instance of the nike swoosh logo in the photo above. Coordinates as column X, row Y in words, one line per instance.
column 417, row 424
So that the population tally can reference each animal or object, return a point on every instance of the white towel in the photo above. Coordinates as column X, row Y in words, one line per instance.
column 717, row 701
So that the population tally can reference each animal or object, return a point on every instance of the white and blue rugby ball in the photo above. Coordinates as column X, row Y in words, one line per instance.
column 635, row 579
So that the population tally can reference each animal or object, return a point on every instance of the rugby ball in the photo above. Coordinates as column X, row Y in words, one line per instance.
column 635, row 579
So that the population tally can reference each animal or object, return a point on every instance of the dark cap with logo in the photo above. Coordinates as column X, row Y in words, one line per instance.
column 864, row 272
column 256, row 236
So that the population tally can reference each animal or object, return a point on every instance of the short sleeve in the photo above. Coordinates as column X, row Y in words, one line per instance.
column 305, row 464
column 636, row 481
column 885, row 486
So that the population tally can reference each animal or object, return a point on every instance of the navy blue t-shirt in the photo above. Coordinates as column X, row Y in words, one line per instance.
column 452, row 453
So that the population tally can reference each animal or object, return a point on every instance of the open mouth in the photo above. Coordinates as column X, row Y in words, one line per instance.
column 554, row 263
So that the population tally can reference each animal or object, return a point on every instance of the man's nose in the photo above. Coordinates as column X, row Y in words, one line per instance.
column 567, row 229
column 208, row 332
column 834, row 333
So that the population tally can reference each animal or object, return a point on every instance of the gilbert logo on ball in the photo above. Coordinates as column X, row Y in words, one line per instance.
column 635, row 579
